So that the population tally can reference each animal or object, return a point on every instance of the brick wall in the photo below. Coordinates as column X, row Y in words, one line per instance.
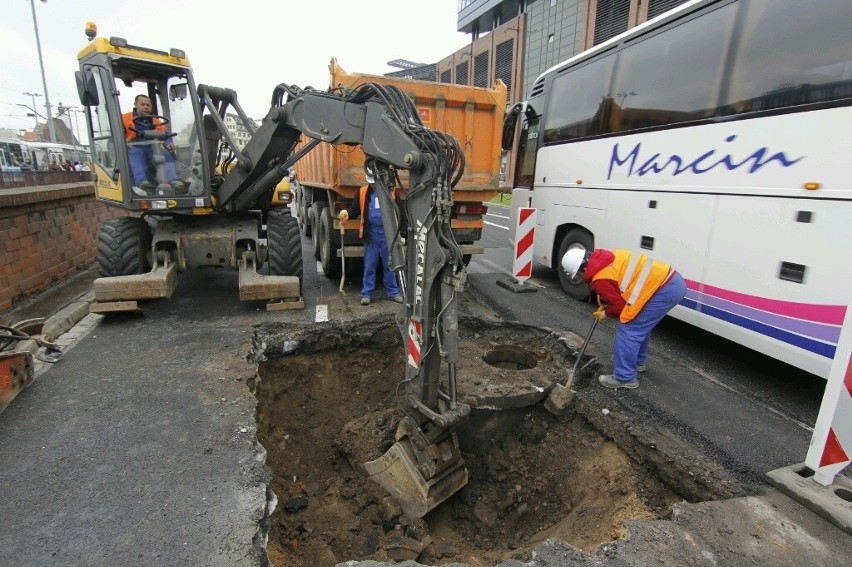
column 47, row 234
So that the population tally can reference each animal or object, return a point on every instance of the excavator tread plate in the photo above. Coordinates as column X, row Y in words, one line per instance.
column 285, row 305
column 160, row 282
column 114, row 306
column 257, row 287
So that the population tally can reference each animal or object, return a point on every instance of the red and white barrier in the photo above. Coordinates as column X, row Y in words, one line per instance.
column 831, row 444
column 524, row 237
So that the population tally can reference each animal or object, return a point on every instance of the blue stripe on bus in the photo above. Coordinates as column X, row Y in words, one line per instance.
column 805, row 343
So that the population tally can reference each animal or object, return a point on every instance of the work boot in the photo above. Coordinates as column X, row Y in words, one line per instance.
column 610, row 381
column 179, row 187
column 397, row 299
column 144, row 189
column 641, row 368
column 365, row 301
column 163, row 188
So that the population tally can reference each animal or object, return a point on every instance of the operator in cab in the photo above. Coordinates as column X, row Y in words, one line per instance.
column 142, row 151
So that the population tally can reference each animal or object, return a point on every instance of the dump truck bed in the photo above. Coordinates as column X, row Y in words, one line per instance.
column 473, row 115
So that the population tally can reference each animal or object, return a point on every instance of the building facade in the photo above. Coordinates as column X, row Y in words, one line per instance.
column 520, row 39
column 237, row 130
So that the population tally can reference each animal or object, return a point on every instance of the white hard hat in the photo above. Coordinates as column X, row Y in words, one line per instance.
column 572, row 260
column 369, row 172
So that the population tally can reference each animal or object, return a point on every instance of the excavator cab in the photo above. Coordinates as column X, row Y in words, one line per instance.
column 145, row 128
column 160, row 148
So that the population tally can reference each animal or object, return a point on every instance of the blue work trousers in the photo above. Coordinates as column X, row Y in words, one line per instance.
column 631, row 339
column 141, row 155
column 376, row 253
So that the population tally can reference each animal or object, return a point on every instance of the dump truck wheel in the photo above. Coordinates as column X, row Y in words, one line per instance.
column 576, row 287
column 316, row 215
column 328, row 248
column 285, row 244
column 303, row 211
column 123, row 247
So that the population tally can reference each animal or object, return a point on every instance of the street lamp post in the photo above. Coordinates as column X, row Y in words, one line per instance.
column 50, row 126
column 35, row 114
column 33, row 96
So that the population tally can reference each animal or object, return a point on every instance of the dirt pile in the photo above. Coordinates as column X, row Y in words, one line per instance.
column 532, row 476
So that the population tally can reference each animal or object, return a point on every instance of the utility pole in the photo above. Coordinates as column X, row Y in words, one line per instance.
column 50, row 126
column 73, row 114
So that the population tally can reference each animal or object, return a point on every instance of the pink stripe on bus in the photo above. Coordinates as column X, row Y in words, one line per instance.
column 829, row 314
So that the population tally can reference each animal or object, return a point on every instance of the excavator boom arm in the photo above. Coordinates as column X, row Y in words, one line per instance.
column 424, row 466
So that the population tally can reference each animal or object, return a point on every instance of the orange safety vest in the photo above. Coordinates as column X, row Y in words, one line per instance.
column 638, row 276
column 129, row 130
column 362, row 203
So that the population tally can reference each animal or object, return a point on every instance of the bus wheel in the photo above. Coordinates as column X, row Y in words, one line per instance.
column 576, row 287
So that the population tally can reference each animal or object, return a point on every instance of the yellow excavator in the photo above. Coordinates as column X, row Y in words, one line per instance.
column 199, row 198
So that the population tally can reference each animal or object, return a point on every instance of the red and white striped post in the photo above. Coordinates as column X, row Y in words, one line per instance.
column 831, row 445
column 524, row 237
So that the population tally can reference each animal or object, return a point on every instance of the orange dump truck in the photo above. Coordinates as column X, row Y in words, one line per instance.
column 328, row 177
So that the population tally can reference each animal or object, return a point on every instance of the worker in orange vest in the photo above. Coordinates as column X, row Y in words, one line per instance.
column 637, row 290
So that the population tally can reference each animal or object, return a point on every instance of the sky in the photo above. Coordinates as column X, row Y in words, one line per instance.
column 249, row 45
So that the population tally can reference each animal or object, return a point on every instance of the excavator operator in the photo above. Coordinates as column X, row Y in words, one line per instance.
column 142, row 151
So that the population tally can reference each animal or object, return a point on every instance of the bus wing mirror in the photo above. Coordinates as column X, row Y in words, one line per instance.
column 178, row 91
column 86, row 88
column 509, row 122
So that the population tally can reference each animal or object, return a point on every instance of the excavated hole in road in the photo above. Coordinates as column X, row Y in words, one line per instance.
column 532, row 476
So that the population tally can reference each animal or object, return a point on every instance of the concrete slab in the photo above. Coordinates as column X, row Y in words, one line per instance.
column 833, row 502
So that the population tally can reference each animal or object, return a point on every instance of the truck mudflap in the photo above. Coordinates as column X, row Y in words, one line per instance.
column 419, row 474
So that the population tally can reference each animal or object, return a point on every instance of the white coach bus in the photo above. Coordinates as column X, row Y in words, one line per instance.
column 718, row 138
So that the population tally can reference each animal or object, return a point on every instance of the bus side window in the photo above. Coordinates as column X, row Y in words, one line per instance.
column 777, row 65
column 576, row 103
column 647, row 92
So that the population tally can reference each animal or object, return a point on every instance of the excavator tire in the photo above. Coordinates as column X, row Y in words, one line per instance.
column 331, row 265
column 285, row 244
column 123, row 247
column 315, row 215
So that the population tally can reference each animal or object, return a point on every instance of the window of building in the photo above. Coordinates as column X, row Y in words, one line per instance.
column 503, row 55
column 461, row 73
column 480, row 70
column 611, row 18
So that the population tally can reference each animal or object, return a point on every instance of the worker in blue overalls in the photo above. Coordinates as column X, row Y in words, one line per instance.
column 367, row 207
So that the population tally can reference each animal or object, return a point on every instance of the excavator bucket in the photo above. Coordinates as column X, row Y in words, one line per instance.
column 407, row 474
